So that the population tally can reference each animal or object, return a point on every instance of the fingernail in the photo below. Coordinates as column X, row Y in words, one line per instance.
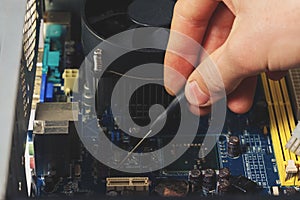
column 195, row 95
column 169, row 86
column 170, row 91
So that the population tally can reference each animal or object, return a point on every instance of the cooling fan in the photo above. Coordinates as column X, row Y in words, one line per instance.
column 105, row 19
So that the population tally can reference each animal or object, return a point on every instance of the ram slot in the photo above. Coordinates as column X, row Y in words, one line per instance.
column 281, row 125
column 290, row 121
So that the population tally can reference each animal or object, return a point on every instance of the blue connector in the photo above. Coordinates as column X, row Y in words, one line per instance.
column 118, row 136
column 43, row 88
column 29, row 135
column 49, row 92
column 112, row 136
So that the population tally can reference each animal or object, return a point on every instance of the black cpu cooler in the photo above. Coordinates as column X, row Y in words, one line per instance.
column 102, row 20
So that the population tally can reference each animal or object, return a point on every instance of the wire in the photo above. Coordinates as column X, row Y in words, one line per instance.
column 135, row 77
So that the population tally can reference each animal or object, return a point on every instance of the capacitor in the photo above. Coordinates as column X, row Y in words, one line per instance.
column 209, row 180
column 224, row 186
column 234, row 147
column 77, row 170
column 224, row 173
column 195, row 178
column 265, row 130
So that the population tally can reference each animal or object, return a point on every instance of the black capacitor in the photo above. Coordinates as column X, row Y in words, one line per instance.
column 224, row 186
column 209, row 181
column 234, row 147
column 224, row 173
column 195, row 178
column 195, row 175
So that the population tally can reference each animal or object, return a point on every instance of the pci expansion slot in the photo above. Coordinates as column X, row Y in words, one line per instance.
column 128, row 183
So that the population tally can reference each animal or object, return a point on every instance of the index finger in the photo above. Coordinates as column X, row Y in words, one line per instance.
column 190, row 18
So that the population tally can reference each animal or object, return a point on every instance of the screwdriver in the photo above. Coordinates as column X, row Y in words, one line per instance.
column 171, row 107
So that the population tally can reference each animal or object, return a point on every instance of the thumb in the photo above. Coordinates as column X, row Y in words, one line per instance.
column 215, row 77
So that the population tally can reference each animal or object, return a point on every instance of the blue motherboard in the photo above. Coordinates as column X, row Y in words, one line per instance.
column 243, row 160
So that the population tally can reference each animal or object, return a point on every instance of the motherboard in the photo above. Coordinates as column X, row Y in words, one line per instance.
column 61, row 152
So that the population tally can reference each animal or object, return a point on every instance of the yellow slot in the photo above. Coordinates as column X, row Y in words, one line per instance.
column 281, row 124
column 274, row 132
column 291, row 119
column 280, row 121
column 277, row 146
column 288, row 104
column 285, row 123
column 282, row 97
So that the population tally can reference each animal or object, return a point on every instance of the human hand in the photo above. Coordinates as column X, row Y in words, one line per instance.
column 243, row 38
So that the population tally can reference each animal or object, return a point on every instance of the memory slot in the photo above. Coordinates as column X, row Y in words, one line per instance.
column 288, row 105
column 281, row 125
column 290, row 121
